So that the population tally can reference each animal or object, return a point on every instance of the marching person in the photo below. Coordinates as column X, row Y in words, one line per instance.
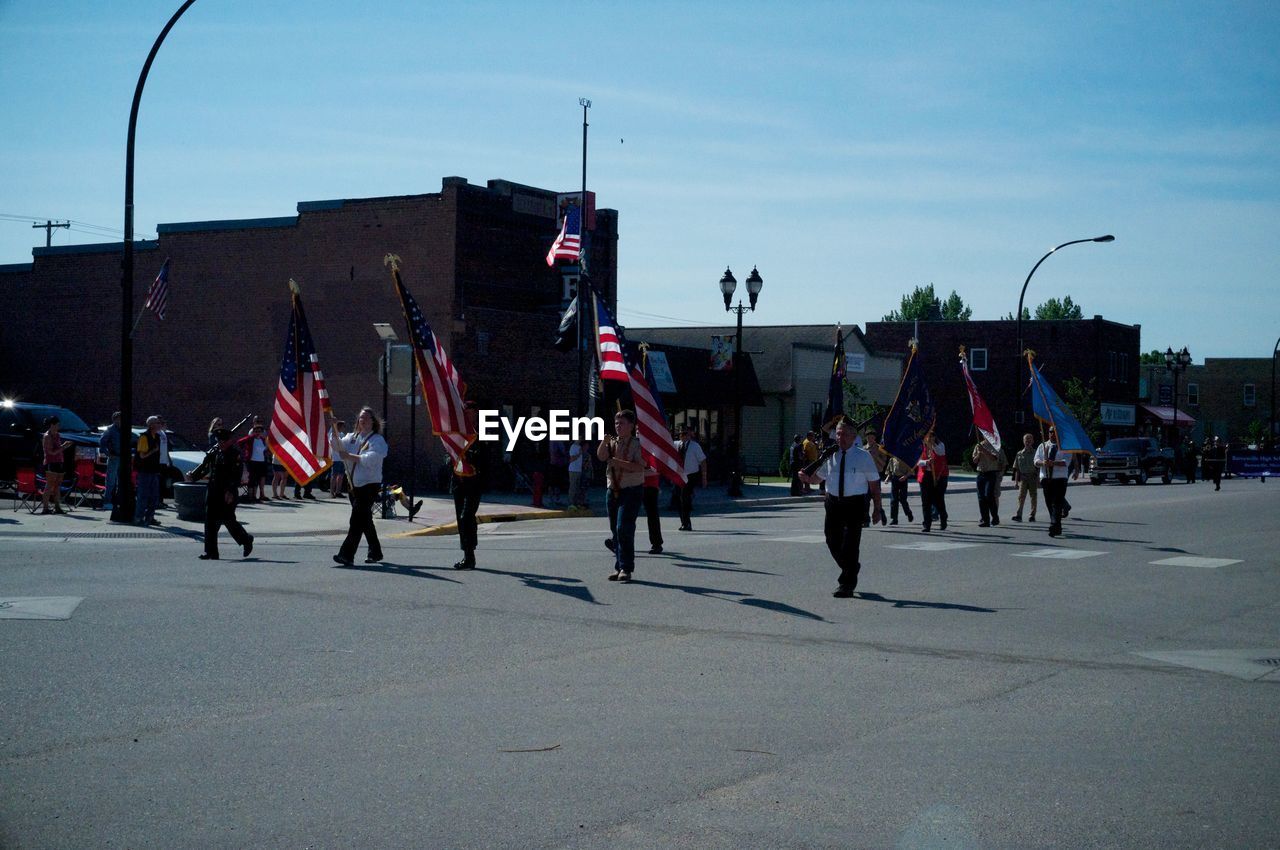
column 990, row 466
column 1053, row 479
column 55, row 449
column 896, row 473
column 851, row 476
column 932, row 473
column 1026, row 477
column 625, row 471
column 651, row 513
column 467, row 487
column 224, row 466
column 363, row 451
column 694, row 460
column 1214, row 461
column 880, row 459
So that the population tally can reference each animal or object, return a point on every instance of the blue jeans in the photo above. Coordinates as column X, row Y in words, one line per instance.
column 624, row 532
column 113, row 475
column 148, row 496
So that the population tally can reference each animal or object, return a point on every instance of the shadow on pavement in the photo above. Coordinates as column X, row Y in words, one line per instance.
column 571, row 587
column 913, row 603
column 397, row 570
column 742, row 598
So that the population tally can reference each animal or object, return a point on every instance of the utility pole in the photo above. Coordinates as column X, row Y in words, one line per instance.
column 48, row 227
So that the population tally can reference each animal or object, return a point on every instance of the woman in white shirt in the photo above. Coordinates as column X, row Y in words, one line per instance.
column 362, row 451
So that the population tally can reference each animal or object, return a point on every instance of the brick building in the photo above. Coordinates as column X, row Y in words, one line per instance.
column 793, row 366
column 1226, row 396
column 1099, row 352
column 473, row 257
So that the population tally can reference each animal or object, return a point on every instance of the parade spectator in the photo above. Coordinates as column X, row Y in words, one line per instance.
column 253, row 449
column 363, row 451
column 1026, row 476
column 811, row 449
column 215, row 425
column 557, row 472
column 694, row 460
column 55, row 449
column 578, row 461
column 109, row 445
column 148, row 454
column 795, row 463
column 625, row 472
column 338, row 471
column 932, row 473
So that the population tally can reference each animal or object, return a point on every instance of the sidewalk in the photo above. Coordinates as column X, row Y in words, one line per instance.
column 328, row 517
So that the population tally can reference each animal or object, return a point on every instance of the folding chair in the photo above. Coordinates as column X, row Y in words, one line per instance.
column 83, row 483
column 26, row 493
column 66, row 490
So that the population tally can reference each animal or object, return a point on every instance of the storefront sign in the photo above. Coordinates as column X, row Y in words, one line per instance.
column 855, row 363
column 1118, row 414
column 661, row 371
column 1254, row 464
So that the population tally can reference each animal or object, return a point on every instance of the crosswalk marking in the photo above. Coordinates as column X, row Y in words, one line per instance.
column 934, row 546
column 1058, row 554
column 1194, row 561
column 800, row 538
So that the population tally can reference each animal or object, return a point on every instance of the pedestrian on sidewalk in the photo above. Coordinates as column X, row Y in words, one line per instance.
column 363, row 451
column 55, row 452
column 337, row 472
column 467, row 485
column 625, row 471
column 851, row 477
column 577, row 479
column 695, row 468
column 110, row 445
column 1026, row 476
column 253, row 448
column 148, row 455
column 223, row 466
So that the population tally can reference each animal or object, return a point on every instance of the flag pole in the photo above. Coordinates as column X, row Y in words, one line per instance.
column 582, row 265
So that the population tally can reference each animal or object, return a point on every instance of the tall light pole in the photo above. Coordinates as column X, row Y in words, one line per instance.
column 728, row 284
column 122, row 507
column 1017, row 380
column 1177, row 363
column 1271, row 435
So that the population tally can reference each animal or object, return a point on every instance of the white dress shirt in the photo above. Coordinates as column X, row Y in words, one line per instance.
column 1049, row 468
column 369, row 450
column 859, row 471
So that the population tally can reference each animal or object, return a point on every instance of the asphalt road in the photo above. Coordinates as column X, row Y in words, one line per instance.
column 977, row 696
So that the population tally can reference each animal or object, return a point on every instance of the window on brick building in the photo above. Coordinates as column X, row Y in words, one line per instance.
column 1250, row 395
column 978, row 359
column 1113, row 366
column 1124, row 367
column 482, row 343
column 1193, row 395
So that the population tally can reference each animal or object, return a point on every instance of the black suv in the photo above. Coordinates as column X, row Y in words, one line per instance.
column 22, row 425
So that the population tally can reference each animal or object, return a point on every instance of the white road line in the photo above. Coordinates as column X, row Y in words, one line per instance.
column 801, row 538
column 1193, row 561
column 1058, row 554
column 934, row 546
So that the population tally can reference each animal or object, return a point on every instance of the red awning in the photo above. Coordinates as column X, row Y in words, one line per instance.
column 1165, row 415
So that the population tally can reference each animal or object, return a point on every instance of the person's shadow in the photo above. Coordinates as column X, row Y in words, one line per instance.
column 573, row 588
column 397, row 570
column 913, row 603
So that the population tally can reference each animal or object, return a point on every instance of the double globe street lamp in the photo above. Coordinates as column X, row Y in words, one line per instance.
column 1177, row 363
column 728, row 284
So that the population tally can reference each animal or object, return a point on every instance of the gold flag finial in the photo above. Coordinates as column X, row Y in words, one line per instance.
column 962, row 352
column 392, row 260
column 294, row 288
column 914, row 344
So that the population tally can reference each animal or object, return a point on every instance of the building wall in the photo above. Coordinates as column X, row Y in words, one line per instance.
column 1221, row 388
column 472, row 256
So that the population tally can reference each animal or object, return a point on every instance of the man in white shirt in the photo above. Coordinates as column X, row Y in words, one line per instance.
column 1052, row 464
column 695, row 466
column 851, row 476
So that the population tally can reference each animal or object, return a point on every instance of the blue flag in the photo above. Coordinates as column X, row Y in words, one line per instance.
column 835, row 389
column 1047, row 407
column 911, row 416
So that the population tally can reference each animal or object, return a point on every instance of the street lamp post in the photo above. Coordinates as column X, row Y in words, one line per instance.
column 122, row 506
column 1177, row 363
column 728, row 284
column 1017, row 380
column 1271, row 435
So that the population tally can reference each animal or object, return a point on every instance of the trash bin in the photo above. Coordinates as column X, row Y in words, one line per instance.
column 190, row 500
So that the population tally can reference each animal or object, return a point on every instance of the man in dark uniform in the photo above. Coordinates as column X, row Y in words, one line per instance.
column 224, row 466
column 466, row 485
column 1215, row 462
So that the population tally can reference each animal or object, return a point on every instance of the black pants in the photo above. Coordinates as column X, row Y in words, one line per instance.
column 1055, row 497
column 466, row 501
column 218, row 513
column 898, row 497
column 988, row 507
column 624, row 528
column 651, row 514
column 1213, row 472
column 843, row 530
column 933, row 495
column 686, row 504
column 363, row 499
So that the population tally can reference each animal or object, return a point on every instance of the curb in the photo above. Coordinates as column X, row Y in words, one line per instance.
column 452, row 527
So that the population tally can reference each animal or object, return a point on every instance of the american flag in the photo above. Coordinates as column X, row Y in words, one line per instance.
column 568, row 245
column 297, row 436
column 651, row 421
column 982, row 418
column 442, row 386
column 158, row 295
column 608, row 344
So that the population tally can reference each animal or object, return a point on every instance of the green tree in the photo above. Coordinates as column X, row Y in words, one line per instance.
column 1083, row 404
column 856, row 404
column 1055, row 309
column 1152, row 358
column 924, row 305
column 1026, row 315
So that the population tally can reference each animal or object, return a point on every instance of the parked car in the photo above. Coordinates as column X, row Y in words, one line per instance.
column 1126, row 459
column 21, row 426
column 183, row 454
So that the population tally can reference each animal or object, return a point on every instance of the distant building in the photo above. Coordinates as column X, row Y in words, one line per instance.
column 473, row 257
column 1101, row 353
column 793, row 366
column 1226, row 397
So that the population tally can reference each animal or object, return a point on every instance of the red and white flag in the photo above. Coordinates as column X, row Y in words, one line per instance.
column 608, row 344
column 298, row 437
column 982, row 418
column 442, row 386
column 656, row 445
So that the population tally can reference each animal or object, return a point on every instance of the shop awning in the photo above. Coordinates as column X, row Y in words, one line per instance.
column 1165, row 415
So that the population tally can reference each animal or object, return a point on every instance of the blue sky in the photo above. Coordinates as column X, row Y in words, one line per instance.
column 852, row 151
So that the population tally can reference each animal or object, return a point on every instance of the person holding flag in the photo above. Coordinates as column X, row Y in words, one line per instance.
column 989, row 461
column 625, row 470
column 466, row 486
column 223, row 465
column 363, row 451
column 1052, row 463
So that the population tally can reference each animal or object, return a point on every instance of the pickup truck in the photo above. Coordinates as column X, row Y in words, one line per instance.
column 1126, row 459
